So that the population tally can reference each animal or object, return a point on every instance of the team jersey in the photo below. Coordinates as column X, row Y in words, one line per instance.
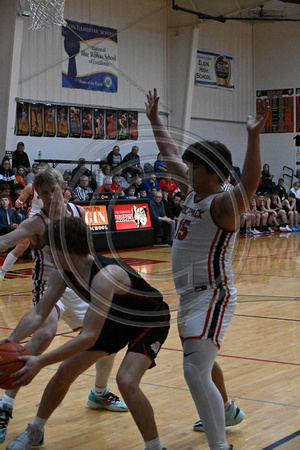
column 201, row 254
column 141, row 304
column 36, row 203
column 41, row 257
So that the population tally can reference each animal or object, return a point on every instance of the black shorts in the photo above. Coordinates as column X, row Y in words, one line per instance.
column 145, row 340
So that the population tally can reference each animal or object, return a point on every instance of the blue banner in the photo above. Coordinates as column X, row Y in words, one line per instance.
column 89, row 57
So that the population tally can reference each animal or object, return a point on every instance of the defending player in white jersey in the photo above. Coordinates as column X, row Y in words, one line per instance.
column 201, row 254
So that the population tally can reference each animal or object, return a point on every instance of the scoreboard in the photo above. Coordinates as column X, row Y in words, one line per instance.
column 281, row 118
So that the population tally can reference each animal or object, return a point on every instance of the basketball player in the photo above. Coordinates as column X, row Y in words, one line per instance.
column 123, row 310
column 48, row 185
column 201, row 254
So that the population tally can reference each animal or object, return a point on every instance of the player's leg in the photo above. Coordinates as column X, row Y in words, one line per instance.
column 53, row 395
column 233, row 414
column 72, row 310
column 198, row 361
column 100, row 396
column 129, row 376
column 39, row 342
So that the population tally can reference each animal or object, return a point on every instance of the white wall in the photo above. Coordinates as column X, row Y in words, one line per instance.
column 141, row 61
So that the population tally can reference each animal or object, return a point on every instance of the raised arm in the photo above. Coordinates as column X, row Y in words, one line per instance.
column 165, row 143
column 231, row 204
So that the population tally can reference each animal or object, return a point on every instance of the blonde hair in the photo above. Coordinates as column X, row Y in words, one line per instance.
column 49, row 176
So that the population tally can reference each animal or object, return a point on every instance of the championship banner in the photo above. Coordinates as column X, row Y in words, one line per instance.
column 89, row 57
column 132, row 217
column 96, row 217
column 214, row 70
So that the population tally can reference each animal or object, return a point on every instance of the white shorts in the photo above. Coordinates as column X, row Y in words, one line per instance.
column 72, row 309
column 206, row 314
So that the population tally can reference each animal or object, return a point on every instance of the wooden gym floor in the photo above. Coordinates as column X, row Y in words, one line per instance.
column 260, row 358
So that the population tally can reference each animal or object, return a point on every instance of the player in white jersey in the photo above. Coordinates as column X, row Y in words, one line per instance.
column 202, row 248
column 48, row 184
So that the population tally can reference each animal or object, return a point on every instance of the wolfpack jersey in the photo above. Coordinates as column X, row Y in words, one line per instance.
column 201, row 254
column 43, row 266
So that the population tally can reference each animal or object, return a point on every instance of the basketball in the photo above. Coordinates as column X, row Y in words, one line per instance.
column 9, row 352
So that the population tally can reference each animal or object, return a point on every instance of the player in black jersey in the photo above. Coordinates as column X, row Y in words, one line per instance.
column 123, row 310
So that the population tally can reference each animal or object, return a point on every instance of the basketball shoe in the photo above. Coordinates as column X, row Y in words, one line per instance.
column 233, row 416
column 107, row 400
column 31, row 437
column 5, row 415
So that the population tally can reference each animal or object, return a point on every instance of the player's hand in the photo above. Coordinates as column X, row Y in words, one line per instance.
column 255, row 125
column 18, row 204
column 3, row 341
column 152, row 105
column 25, row 375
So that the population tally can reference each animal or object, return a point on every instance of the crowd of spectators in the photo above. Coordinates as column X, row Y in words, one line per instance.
column 272, row 208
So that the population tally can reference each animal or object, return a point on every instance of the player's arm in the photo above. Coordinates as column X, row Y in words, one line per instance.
column 26, row 229
column 32, row 320
column 229, row 205
column 165, row 143
column 107, row 283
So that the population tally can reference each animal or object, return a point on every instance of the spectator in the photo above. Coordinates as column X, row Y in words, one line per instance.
column 131, row 193
column 107, row 185
column 17, row 191
column 67, row 176
column 143, row 193
column 163, row 226
column 227, row 185
column 123, row 183
column 6, row 173
column 132, row 163
column 105, row 172
column 21, row 176
column 83, row 191
column 151, row 181
column 138, row 184
column 264, row 214
column 160, row 168
column 78, row 172
column 281, row 189
column 276, row 205
column 168, row 182
column 114, row 158
column 30, row 176
column 266, row 183
column 152, row 193
column 296, row 191
column 20, row 158
column 9, row 220
column 116, row 187
column 92, row 181
column 289, row 205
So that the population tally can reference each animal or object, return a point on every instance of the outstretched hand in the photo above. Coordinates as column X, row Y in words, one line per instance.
column 255, row 125
column 152, row 105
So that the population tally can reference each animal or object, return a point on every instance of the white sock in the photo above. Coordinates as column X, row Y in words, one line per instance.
column 155, row 444
column 99, row 390
column 40, row 423
column 9, row 262
column 227, row 405
column 6, row 399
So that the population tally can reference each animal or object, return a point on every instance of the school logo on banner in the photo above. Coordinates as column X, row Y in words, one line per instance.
column 89, row 57
column 214, row 70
